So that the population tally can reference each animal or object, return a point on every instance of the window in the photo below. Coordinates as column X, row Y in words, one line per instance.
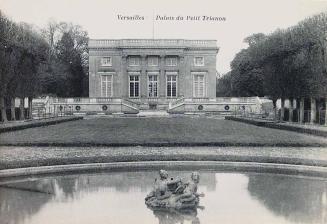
column 199, row 61
column 133, row 61
column 171, row 85
column 153, row 61
column 134, row 86
column 106, row 61
column 106, row 85
column 171, row 61
column 198, row 85
column 153, row 85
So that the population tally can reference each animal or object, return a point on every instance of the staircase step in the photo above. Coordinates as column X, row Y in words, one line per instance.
column 153, row 113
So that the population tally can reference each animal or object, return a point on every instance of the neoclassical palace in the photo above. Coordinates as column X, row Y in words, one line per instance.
column 136, row 75
column 152, row 72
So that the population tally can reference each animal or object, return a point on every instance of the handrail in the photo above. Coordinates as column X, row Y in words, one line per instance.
column 130, row 103
column 176, row 102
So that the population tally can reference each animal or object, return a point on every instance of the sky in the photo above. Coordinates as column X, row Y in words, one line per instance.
column 100, row 18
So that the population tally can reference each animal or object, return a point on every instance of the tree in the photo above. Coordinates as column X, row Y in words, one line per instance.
column 68, row 60
column 22, row 54
column 288, row 63
column 224, row 86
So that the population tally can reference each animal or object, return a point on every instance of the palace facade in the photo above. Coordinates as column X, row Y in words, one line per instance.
column 132, row 76
column 152, row 72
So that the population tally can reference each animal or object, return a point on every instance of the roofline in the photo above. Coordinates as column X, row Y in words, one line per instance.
column 150, row 39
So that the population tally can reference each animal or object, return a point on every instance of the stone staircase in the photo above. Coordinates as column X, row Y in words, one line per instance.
column 153, row 113
column 38, row 109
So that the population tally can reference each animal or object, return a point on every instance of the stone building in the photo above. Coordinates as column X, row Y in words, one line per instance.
column 152, row 72
column 131, row 76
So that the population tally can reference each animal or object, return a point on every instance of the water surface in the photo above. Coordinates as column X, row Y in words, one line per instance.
column 118, row 197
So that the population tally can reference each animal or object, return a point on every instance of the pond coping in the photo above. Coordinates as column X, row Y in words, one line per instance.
column 289, row 169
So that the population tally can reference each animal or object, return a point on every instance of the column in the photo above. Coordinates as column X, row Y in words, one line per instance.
column 282, row 109
column 301, row 119
column 313, row 116
column 123, row 79
column 291, row 108
column 162, row 78
column 326, row 111
column 181, row 77
column 143, row 78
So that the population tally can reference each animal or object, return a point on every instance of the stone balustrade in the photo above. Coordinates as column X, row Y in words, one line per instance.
column 154, row 43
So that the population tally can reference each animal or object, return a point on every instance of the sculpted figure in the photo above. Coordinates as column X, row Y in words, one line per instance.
column 188, row 196
column 174, row 193
column 160, row 190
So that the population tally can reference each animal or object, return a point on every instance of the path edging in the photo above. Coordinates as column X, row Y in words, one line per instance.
column 269, row 124
column 38, row 124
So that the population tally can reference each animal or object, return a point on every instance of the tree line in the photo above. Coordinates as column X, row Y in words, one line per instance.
column 288, row 63
column 35, row 62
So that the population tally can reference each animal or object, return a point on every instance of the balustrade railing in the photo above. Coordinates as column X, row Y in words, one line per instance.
column 131, row 103
column 176, row 102
column 200, row 99
column 152, row 42
column 108, row 100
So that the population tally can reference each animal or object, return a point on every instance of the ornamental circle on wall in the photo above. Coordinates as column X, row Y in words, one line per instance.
column 104, row 107
column 226, row 107
column 77, row 108
column 200, row 107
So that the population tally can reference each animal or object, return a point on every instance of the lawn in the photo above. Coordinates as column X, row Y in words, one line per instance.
column 158, row 131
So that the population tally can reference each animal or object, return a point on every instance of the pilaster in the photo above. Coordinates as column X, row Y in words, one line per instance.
column 181, row 76
column 162, row 77
column 143, row 78
column 123, row 78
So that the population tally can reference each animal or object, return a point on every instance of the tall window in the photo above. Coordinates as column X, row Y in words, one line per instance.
column 171, row 85
column 106, row 61
column 171, row 61
column 198, row 85
column 106, row 85
column 199, row 61
column 133, row 61
column 153, row 85
column 153, row 61
column 134, row 86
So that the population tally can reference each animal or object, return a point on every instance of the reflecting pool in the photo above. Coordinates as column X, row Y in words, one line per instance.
column 118, row 197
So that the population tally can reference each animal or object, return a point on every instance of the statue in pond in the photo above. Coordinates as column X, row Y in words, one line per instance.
column 174, row 193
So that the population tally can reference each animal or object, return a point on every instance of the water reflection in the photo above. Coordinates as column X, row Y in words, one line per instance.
column 19, row 201
column 173, row 216
column 300, row 200
column 119, row 198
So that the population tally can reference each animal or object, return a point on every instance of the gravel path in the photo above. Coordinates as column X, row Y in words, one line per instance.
column 15, row 157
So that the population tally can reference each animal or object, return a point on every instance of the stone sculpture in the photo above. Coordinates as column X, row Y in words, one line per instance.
column 174, row 193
